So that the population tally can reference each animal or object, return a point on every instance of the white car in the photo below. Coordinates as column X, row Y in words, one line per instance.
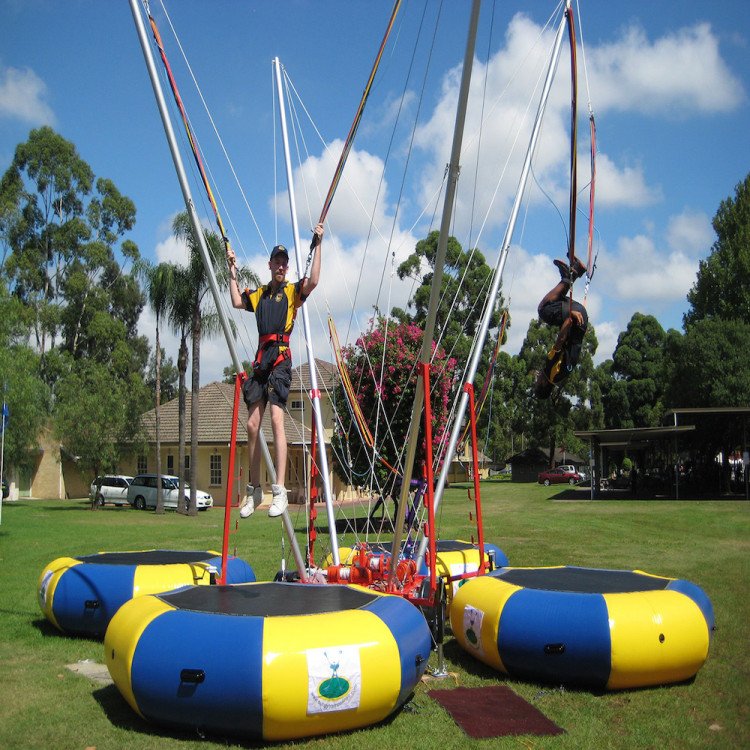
column 142, row 493
column 110, row 488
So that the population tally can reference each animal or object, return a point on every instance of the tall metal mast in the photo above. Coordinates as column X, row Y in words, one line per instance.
column 198, row 232
column 498, row 274
column 437, row 278
column 314, row 392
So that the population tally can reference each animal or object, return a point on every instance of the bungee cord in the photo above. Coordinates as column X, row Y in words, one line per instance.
column 301, row 146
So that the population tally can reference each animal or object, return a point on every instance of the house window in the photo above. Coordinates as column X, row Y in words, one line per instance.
column 170, row 464
column 215, row 470
column 142, row 465
column 187, row 467
column 296, row 404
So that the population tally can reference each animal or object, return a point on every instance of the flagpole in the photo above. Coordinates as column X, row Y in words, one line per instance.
column 2, row 450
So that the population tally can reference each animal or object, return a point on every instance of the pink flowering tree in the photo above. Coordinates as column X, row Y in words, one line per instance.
column 382, row 366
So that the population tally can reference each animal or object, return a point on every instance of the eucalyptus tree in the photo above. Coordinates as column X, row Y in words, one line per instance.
column 66, row 254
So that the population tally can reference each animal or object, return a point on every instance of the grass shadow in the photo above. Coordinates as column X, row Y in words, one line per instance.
column 121, row 715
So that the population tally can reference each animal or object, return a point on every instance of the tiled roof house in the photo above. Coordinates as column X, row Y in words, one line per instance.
column 215, row 403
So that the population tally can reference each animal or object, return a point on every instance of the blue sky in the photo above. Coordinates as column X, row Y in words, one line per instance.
column 668, row 81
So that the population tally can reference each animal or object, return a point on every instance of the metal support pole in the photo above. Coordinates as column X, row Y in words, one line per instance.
column 497, row 276
column 198, row 232
column 437, row 277
column 314, row 392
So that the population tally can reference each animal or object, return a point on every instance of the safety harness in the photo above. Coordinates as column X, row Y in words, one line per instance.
column 268, row 340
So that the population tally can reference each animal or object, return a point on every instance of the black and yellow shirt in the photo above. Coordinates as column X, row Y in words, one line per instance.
column 275, row 309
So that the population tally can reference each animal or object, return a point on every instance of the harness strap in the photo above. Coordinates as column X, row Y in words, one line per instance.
column 269, row 338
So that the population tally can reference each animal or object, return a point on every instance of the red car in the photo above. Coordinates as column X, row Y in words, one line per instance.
column 558, row 476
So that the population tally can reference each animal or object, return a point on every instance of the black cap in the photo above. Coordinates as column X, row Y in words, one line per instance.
column 278, row 250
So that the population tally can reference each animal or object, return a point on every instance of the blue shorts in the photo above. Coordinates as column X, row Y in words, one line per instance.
column 270, row 387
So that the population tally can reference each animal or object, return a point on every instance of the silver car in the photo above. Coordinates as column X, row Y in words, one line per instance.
column 142, row 493
column 110, row 488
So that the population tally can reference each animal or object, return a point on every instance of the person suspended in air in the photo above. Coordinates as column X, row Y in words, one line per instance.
column 275, row 306
column 557, row 309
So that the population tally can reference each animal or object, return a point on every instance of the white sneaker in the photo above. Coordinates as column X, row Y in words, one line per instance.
column 253, row 495
column 279, row 501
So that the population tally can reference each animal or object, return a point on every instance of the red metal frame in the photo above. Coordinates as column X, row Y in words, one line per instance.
column 469, row 389
column 238, row 381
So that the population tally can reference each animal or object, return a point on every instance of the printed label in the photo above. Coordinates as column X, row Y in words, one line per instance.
column 334, row 678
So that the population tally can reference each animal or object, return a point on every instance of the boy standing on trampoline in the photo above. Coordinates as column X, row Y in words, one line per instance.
column 275, row 306
column 570, row 317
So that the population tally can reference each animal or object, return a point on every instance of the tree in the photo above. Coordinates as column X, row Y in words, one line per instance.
column 551, row 422
column 48, row 182
column 722, row 287
column 381, row 366
column 68, row 257
column 180, row 316
column 28, row 400
column 503, row 416
column 639, row 363
column 167, row 379
column 465, row 285
column 203, row 319
column 711, row 368
column 229, row 373
column 614, row 397
column 97, row 415
column 160, row 291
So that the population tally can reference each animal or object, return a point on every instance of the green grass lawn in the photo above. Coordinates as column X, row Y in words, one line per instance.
column 45, row 705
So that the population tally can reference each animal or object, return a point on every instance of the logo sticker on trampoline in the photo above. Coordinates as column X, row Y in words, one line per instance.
column 473, row 627
column 334, row 679
column 43, row 588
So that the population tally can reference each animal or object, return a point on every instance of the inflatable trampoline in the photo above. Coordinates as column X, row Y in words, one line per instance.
column 602, row 629
column 79, row 595
column 270, row 661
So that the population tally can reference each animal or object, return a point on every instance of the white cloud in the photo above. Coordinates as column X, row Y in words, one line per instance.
column 607, row 333
column 527, row 278
column 360, row 197
column 171, row 250
column 691, row 233
column 680, row 72
column 22, row 95
column 624, row 186
column 651, row 275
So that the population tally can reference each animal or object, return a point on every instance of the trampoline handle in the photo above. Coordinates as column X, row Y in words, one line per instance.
column 195, row 676
column 554, row 649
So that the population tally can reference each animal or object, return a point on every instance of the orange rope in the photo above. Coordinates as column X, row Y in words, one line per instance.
column 357, row 117
column 183, row 114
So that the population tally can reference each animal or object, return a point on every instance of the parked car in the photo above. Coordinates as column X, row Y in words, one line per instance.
column 572, row 469
column 560, row 475
column 142, row 492
column 111, row 488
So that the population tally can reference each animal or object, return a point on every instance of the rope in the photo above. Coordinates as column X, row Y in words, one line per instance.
column 183, row 114
column 357, row 117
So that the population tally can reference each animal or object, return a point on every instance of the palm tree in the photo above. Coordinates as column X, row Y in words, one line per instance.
column 204, row 320
column 180, row 318
column 159, row 281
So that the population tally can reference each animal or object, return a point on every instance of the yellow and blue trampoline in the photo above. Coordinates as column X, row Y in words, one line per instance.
column 80, row 595
column 602, row 629
column 270, row 661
